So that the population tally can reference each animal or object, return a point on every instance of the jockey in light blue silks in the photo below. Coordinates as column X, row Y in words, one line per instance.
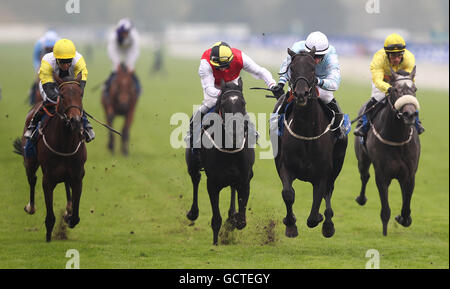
column 43, row 46
column 327, row 72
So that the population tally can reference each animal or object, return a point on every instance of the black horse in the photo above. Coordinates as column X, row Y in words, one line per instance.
column 308, row 150
column 227, row 155
column 393, row 147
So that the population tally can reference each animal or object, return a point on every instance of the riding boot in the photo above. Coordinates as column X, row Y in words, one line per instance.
column 191, row 142
column 137, row 84
column 89, row 133
column 340, row 131
column 362, row 127
column 108, row 83
column 30, row 133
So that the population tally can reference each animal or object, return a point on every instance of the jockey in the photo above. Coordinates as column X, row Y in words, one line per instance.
column 221, row 62
column 394, row 55
column 123, row 46
column 327, row 72
column 43, row 46
column 65, row 61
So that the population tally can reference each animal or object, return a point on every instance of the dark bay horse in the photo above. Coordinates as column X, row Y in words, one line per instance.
column 308, row 151
column 60, row 152
column 225, row 165
column 121, row 99
column 393, row 147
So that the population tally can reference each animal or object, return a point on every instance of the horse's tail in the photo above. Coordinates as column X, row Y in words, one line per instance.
column 18, row 148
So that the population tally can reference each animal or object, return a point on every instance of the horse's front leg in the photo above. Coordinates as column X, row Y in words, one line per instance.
column 31, row 168
column 407, row 187
column 216, row 220
column 48, row 188
column 193, row 165
column 68, row 211
column 109, row 120
column 126, row 130
column 76, row 186
column 318, row 192
column 288, row 194
column 363, row 167
column 328, row 226
column 239, row 218
column 232, row 209
column 383, row 184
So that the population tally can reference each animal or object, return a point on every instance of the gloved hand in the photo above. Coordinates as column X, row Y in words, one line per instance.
column 319, row 82
column 51, row 91
column 277, row 90
column 388, row 92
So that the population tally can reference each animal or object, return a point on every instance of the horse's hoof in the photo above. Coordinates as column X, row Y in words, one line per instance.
column 405, row 222
column 192, row 215
column 361, row 200
column 66, row 217
column 291, row 231
column 328, row 229
column 313, row 223
column 238, row 221
column 30, row 209
column 72, row 222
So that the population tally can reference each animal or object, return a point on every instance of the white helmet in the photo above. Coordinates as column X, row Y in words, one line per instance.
column 124, row 24
column 319, row 40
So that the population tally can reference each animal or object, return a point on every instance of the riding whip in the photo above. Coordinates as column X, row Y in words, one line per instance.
column 105, row 125
column 263, row 88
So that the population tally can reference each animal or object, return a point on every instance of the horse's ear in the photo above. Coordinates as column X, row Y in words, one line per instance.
column 290, row 52
column 413, row 73
column 240, row 84
column 78, row 78
column 313, row 51
column 57, row 79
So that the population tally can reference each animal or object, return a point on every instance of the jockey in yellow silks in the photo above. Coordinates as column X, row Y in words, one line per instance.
column 394, row 55
column 63, row 61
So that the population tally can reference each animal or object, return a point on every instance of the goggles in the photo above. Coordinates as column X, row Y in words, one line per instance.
column 64, row 61
column 394, row 47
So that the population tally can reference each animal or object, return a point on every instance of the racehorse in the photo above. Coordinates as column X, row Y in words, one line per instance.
column 308, row 151
column 224, row 165
column 392, row 146
column 60, row 152
column 120, row 99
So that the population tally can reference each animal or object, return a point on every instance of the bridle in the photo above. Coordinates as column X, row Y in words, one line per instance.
column 397, row 112
column 219, row 111
column 63, row 115
column 293, row 83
